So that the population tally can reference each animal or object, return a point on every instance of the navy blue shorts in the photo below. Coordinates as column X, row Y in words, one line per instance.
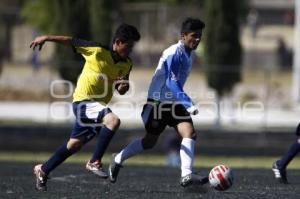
column 88, row 122
column 156, row 116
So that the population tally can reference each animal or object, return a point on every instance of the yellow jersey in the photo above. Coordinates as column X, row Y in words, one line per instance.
column 96, row 80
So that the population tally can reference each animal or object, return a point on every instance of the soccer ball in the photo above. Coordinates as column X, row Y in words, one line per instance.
column 221, row 177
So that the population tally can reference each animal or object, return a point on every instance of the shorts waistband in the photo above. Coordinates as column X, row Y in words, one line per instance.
column 159, row 102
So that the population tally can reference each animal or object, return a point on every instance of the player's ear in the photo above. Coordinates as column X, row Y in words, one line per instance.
column 183, row 34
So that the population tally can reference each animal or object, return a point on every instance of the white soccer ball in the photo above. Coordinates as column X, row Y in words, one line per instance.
column 221, row 177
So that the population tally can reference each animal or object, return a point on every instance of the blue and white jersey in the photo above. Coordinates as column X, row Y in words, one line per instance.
column 170, row 76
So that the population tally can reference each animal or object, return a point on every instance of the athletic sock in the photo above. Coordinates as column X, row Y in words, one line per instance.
column 103, row 141
column 57, row 158
column 130, row 150
column 187, row 156
column 290, row 154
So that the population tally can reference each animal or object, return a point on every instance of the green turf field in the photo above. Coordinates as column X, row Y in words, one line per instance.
column 138, row 182
column 154, row 160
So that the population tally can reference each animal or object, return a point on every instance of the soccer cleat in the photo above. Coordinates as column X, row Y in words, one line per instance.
column 113, row 169
column 41, row 178
column 193, row 179
column 96, row 168
column 280, row 174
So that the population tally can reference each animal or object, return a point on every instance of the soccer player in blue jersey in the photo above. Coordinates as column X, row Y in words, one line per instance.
column 169, row 105
column 104, row 70
column 279, row 166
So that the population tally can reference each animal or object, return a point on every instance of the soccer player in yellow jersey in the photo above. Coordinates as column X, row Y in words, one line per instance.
column 104, row 70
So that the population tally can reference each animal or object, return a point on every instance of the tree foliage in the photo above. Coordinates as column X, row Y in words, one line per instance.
column 101, row 19
column 172, row 2
column 40, row 14
column 87, row 19
column 70, row 20
column 223, row 53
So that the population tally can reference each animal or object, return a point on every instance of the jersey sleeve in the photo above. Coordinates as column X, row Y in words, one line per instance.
column 84, row 47
column 172, row 64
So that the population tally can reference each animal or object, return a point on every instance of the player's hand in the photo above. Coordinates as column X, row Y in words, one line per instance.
column 122, row 86
column 38, row 41
column 193, row 110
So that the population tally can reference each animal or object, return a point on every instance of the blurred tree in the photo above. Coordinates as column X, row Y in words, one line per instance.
column 2, row 43
column 87, row 19
column 43, row 15
column 195, row 2
column 223, row 53
column 71, row 18
column 222, row 47
column 101, row 19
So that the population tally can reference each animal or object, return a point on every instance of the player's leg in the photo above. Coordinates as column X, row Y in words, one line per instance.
column 186, row 130
column 279, row 166
column 111, row 123
column 81, row 134
column 135, row 147
column 181, row 120
column 153, row 128
column 62, row 153
column 291, row 153
column 97, row 119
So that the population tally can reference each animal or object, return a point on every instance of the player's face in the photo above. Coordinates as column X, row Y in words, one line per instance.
column 192, row 39
column 123, row 49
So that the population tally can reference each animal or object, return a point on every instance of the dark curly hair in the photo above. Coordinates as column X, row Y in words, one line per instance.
column 190, row 25
column 126, row 32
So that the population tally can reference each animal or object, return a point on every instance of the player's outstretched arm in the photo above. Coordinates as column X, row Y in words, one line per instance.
column 40, row 40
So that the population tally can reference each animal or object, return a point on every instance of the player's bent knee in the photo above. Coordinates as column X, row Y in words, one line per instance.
column 112, row 121
column 117, row 122
column 74, row 144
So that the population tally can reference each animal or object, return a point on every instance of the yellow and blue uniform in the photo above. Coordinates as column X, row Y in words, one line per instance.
column 99, row 72
column 95, row 86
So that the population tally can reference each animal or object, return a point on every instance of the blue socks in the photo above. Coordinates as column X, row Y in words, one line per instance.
column 63, row 152
column 103, row 141
column 291, row 153
column 58, row 157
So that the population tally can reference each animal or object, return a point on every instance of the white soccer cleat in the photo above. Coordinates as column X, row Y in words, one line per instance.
column 96, row 168
column 41, row 178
